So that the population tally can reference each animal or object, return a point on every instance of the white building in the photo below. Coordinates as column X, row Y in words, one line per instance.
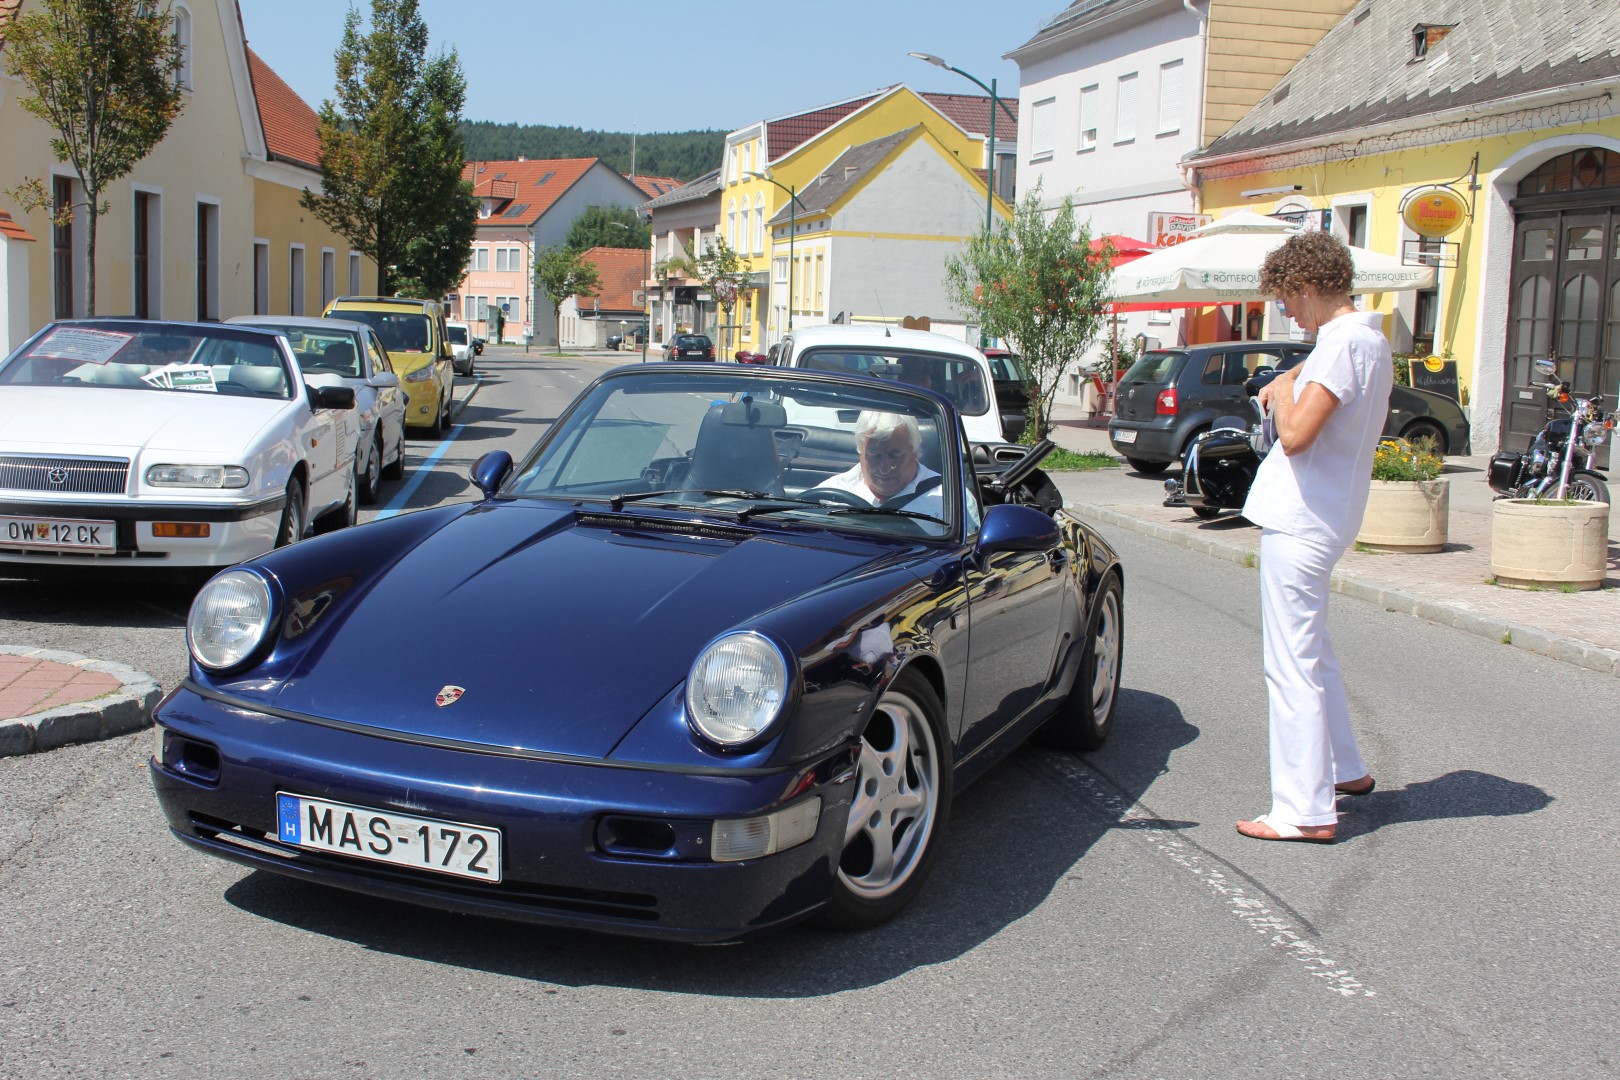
column 1110, row 101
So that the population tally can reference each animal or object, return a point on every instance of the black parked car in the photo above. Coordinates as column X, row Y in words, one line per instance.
column 689, row 347
column 1012, row 391
column 1414, row 415
column 1171, row 395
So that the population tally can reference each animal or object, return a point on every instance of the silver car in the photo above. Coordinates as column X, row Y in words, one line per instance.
column 336, row 352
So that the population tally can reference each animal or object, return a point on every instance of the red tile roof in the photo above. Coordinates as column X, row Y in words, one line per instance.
column 785, row 133
column 292, row 131
column 11, row 230
column 539, row 184
column 971, row 112
column 653, row 186
column 621, row 272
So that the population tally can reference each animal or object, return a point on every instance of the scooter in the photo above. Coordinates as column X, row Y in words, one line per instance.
column 1546, row 471
column 1220, row 464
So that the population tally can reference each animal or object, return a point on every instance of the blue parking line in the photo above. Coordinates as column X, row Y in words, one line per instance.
column 398, row 503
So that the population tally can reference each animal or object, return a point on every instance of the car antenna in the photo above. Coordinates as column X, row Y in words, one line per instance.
column 882, row 316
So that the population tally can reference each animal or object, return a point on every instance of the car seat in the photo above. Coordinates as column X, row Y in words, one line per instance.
column 338, row 358
column 736, row 448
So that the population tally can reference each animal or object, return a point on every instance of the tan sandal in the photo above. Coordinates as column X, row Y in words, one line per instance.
column 1264, row 828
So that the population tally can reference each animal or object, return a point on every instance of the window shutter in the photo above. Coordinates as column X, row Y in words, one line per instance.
column 1089, row 107
column 1170, row 96
column 1125, row 122
column 1042, row 128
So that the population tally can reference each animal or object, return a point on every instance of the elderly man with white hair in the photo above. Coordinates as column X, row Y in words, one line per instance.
column 890, row 471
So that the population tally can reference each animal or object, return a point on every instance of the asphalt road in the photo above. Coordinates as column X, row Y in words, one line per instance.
column 1089, row 916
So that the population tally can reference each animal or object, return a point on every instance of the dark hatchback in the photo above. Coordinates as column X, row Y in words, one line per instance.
column 689, row 347
column 1170, row 396
column 1012, row 391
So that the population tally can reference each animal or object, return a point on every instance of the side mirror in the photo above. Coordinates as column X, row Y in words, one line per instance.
column 1010, row 527
column 1547, row 367
column 383, row 380
column 331, row 397
column 490, row 472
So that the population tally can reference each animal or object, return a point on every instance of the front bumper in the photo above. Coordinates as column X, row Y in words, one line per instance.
column 223, row 765
column 237, row 531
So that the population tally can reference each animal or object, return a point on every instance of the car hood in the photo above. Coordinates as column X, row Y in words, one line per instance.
column 94, row 420
column 561, row 630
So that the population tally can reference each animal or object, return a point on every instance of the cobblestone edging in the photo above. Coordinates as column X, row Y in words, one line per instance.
column 117, row 713
column 1570, row 650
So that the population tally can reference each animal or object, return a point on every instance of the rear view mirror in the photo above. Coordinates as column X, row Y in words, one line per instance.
column 1547, row 367
column 490, row 472
column 331, row 397
column 383, row 380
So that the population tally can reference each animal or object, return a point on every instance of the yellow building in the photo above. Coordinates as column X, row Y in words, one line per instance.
column 206, row 226
column 792, row 151
column 1505, row 117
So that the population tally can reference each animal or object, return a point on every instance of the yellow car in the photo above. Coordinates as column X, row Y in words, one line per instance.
column 413, row 333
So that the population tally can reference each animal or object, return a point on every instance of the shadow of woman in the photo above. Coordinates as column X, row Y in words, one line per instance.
column 1013, row 836
column 1462, row 794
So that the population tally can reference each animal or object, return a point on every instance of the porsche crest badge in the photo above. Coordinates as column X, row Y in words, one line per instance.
column 449, row 695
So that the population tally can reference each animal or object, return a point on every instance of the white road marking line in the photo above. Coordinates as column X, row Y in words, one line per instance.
column 1282, row 930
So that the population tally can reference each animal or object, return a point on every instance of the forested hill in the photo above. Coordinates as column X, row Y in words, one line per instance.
column 684, row 155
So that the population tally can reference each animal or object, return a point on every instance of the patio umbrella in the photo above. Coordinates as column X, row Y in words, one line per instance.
column 1221, row 265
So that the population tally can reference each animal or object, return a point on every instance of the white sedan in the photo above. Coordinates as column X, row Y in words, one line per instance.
column 336, row 352
column 162, row 444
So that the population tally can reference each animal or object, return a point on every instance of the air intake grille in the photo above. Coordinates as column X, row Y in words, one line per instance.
column 78, row 476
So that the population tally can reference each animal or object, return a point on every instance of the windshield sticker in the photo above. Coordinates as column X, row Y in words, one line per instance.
column 183, row 377
column 89, row 346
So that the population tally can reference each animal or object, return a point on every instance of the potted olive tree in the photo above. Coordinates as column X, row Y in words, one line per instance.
column 1409, row 506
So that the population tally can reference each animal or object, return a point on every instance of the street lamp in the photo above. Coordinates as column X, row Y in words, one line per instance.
column 990, row 155
column 793, row 199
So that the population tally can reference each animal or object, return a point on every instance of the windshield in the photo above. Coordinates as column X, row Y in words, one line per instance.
column 456, row 334
column 400, row 332
column 956, row 377
column 832, row 455
column 328, row 352
column 151, row 357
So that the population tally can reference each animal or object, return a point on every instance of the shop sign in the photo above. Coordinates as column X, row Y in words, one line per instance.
column 1167, row 229
column 1437, row 211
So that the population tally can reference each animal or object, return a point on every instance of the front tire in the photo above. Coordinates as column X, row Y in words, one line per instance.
column 1206, row 513
column 1084, row 720
column 1145, row 467
column 1419, row 430
column 897, row 813
column 1587, row 487
column 292, row 515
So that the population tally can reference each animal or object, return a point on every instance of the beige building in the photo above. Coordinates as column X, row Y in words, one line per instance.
column 206, row 226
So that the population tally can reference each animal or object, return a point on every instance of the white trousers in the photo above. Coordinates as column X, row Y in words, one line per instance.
column 1312, row 746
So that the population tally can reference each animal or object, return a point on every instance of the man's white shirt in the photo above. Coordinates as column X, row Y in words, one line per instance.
column 931, row 502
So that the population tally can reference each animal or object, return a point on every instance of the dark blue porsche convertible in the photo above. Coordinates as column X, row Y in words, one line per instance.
column 711, row 659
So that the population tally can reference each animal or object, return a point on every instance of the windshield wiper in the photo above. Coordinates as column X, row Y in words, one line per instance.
column 617, row 501
column 890, row 510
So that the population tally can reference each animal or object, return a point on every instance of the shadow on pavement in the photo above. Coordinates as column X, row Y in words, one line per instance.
column 1461, row 794
column 1013, row 836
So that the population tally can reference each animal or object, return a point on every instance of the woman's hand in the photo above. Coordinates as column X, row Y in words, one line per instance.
column 1269, row 392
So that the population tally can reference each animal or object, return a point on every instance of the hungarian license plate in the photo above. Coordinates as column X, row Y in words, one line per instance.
column 59, row 533
column 1125, row 435
column 444, row 847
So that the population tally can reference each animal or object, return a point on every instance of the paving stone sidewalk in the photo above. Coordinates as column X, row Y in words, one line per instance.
column 50, row 698
column 1451, row 587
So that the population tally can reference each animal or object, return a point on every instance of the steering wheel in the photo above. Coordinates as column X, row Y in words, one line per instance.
column 837, row 495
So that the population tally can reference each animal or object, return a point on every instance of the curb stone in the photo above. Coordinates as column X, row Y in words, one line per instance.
column 117, row 713
column 1569, row 650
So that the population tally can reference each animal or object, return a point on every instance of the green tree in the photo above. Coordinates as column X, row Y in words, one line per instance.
column 725, row 276
column 600, row 226
column 391, row 153
column 102, row 73
column 561, row 272
column 1037, row 285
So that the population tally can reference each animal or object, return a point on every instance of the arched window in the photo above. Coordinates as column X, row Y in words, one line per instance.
column 182, row 35
column 759, row 224
column 1578, row 170
column 731, row 223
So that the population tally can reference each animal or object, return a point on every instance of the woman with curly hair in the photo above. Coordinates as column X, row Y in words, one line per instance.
column 1308, row 498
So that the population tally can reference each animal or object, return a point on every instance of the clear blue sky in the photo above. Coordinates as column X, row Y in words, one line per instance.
column 661, row 66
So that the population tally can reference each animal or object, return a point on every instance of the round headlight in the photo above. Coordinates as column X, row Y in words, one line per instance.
column 1592, row 434
column 737, row 688
column 228, row 619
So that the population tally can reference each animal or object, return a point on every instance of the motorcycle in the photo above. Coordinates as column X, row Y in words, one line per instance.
column 1547, row 469
column 1220, row 464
